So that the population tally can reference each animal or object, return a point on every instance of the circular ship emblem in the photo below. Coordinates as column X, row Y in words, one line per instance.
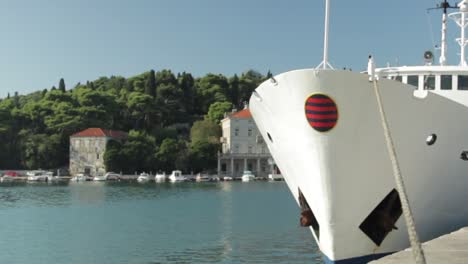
column 321, row 112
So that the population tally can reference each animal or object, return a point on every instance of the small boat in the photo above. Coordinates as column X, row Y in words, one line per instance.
column 110, row 176
column 80, row 177
column 52, row 178
column 248, row 176
column 160, row 177
column 227, row 178
column 202, row 178
column 9, row 176
column 38, row 175
column 275, row 177
column 144, row 177
column 176, row 176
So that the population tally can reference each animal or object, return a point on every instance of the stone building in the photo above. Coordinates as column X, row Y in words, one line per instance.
column 87, row 150
column 243, row 148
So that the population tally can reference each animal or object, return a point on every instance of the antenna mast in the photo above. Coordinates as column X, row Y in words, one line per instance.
column 324, row 64
column 461, row 19
column 443, row 44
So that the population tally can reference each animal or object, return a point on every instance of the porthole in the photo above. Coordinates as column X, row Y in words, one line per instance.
column 431, row 139
column 269, row 137
column 464, row 155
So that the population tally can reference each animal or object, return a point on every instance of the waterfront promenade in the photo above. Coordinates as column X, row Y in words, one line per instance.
column 448, row 249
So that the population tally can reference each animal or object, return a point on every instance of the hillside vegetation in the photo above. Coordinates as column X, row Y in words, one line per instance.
column 172, row 120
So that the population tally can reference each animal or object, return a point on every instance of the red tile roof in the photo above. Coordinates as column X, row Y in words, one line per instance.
column 244, row 113
column 99, row 132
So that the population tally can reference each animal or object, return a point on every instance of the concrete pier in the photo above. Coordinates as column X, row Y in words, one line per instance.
column 448, row 249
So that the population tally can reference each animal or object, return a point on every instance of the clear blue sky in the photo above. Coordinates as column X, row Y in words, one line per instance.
column 42, row 41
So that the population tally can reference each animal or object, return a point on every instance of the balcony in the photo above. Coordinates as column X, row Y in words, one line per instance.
column 244, row 155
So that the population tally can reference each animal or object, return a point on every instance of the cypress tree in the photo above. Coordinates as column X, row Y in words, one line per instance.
column 62, row 85
column 150, row 86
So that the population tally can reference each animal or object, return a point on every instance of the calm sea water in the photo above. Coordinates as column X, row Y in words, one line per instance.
column 93, row 222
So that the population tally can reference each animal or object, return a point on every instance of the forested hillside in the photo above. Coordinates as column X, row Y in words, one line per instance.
column 172, row 120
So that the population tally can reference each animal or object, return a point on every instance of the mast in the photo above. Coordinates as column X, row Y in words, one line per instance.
column 461, row 19
column 463, row 24
column 443, row 42
column 324, row 64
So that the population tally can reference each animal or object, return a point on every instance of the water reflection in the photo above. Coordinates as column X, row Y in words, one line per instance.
column 117, row 222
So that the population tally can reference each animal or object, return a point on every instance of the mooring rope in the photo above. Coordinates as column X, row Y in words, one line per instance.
column 418, row 252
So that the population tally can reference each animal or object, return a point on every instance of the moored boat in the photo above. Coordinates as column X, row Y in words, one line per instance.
column 160, row 177
column 9, row 176
column 143, row 177
column 39, row 175
column 80, row 177
column 176, row 176
column 248, row 176
column 324, row 129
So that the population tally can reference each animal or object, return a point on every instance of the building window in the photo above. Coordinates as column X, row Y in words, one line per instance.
column 250, row 148
column 223, row 167
column 236, row 149
column 462, row 82
column 446, row 82
column 97, row 155
column 236, row 132
column 250, row 132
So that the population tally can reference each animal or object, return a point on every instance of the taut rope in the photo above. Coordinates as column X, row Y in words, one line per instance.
column 418, row 252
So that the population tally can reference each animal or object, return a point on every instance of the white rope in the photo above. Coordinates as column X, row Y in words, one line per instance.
column 413, row 236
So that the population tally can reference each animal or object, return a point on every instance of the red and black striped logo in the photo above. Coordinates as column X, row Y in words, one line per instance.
column 321, row 112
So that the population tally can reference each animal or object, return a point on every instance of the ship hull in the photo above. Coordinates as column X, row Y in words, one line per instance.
column 345, row 173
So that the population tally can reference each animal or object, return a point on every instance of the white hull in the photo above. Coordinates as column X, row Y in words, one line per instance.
column 100, row 178
column 275, row 177
column 160, row 178
column 248, row 178
column 177, row 179
column 81, row 178
column 37, row 178
column 346, row 172
column 143, row 178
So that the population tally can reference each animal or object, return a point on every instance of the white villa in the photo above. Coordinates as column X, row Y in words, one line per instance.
column 243, row 148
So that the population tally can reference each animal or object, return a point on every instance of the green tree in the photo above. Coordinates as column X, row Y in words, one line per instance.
column 150, row 86
column 203, row 156
column 206, row 131
column 113, row 159
column 168, row 153
column 217, row 110
column 137, row 152
column 140, row 107
column 62, row 85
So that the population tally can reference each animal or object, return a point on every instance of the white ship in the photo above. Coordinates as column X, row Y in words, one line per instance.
column 325, row 132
